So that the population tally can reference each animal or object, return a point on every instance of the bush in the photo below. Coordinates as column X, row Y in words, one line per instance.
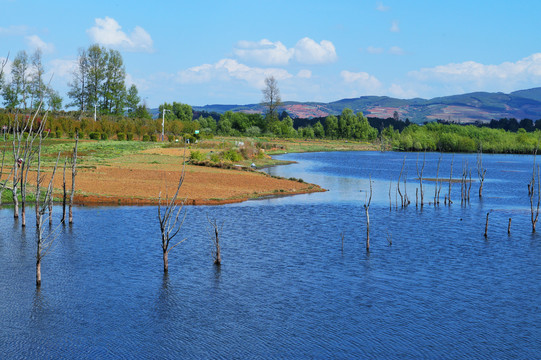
column 215, row 158
column 129, row 136
column 94, row 135
column 232, row 155
column 197, row 156
column 120, row 136
column 58, row 134
column 153, row 138
column 146, row 138
column 104, row 136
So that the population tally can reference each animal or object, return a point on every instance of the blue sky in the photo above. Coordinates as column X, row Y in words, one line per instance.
column 219, row 52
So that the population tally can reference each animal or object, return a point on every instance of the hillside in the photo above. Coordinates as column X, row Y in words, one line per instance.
column 465, row 108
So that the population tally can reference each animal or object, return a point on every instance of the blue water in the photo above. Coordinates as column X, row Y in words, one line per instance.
column 286, row 288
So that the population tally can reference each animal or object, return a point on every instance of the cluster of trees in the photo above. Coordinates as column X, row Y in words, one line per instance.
column 27, row 87
column 459, row 138
column 98, row 84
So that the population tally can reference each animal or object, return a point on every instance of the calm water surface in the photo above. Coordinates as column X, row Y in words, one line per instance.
column 286, row 288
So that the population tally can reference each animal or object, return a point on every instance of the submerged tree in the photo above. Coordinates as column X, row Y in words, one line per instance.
column 214, row 234
column 73, row 173
column 534, row 189
column 43, row 242
column 481, row 171
column 366, row 208
column 171, row 221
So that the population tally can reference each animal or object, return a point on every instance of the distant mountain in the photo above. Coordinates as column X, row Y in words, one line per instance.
column 465, row 108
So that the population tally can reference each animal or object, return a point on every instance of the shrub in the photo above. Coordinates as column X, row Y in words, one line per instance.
column 129, row 136
column 104, row 136
column 94, row 135
column 153, row 138
column 197, row 155
column 232, row 155
column 215, row 158
column 58, row 134
column 121, row 136
column 146, row 138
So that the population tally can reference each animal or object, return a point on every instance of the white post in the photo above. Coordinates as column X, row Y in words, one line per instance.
column 163, row 122
column 94, row 112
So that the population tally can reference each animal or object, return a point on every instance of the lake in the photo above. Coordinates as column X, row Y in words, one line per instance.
column 431, row 286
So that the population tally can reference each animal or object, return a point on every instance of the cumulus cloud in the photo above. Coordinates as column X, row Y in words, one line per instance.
column 230, row 69
column 264, row 51
column 108, row 32
column 473, row 76
column 399, row 92
column 62, row 68
column 306, row 51
column 381, row 7
column 395, row 27
column 471, row 71
column 304, row 74
column 34, row 42
column 362, row 81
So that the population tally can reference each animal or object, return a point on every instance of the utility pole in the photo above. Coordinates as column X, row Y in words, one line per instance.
column 163, row 122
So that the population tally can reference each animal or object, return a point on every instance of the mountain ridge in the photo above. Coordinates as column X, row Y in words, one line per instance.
column 463, row 108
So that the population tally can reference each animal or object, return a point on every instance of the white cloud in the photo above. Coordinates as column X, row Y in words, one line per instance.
column 399, row 92
column 307, row 51
column 34, row 42
column 381, row 7
column 62, row 68
column 304, row 74
column 473, row 76
column 395, row 27
column 362, row 81
column 395, row 50
column 374, row 50
column 108, row 32
column 264, row 51
column 229, row 69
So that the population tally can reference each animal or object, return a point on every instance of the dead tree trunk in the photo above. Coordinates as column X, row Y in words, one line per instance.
column 44, row 242
column 73, row 173
column 437, row 188
column 398, row 183
column 534, row 188
column 366, row 209
column 170, row 222
column 450, row 181
column 420, row 176
column 64, row 192
column 486, row 226
column 215, row 239
column 481, row 171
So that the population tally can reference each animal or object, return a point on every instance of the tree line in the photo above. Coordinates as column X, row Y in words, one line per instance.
column 98, row 85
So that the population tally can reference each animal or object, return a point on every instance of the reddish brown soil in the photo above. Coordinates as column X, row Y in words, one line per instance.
column 142, row 184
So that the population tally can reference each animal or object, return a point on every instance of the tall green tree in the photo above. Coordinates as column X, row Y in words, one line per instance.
column 113, row 90
column 96, row 66
column 132, row 100
column 38, row 89
column 78, row 87
column 16, row 92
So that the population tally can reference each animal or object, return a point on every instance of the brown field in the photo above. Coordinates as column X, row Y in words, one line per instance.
column 139, row 179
